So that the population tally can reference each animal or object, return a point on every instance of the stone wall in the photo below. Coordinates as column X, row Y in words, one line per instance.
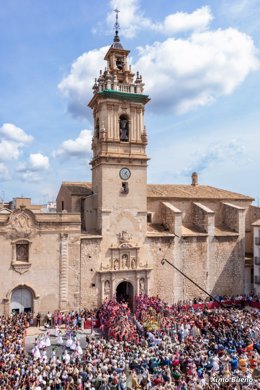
column 50, row 271
column 195, row 257
column 200, row 216
column 228, row 266
column 252, row 215
column 162, row 276
column 64, row 196
column 171, row 218
column 74, row 271
column 186, row 207
column 90, row 265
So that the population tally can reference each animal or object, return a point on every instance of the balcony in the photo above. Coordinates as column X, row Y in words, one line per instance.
column 257, row 260
column 257, row 240
column 257, row 279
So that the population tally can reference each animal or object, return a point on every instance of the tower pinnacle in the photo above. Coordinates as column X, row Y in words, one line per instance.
column 117, row 43
column 116, row 25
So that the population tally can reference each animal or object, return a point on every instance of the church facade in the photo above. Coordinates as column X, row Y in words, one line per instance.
column 108, row 237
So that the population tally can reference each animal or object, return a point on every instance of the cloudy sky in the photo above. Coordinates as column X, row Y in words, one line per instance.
column 200, row 63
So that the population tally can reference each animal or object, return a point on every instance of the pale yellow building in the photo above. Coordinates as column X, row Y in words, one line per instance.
column 108, row 237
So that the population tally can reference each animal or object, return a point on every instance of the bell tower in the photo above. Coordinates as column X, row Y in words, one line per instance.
column 119, row 162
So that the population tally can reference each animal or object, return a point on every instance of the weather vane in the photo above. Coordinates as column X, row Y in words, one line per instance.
column 116, row 25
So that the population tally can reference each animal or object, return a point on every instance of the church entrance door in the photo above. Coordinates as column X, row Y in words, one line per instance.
column 21, row 300
column 125, row 293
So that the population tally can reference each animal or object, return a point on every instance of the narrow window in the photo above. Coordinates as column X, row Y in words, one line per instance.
column 124, row 128
column 62, row 205
column 124, row 188
column 149, row 217
column 97, row 129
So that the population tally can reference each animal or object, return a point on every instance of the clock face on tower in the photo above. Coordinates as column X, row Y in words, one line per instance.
column 124, row 173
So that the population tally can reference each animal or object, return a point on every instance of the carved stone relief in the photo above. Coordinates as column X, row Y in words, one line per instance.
column 125, row 261
column 124, row 256
column 21, row 223
column 142, row 286
column 22, row 251
column 124, row 237
column 107, row 287
column 116, row 264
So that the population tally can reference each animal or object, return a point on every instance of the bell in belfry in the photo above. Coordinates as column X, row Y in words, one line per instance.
column 123, row 130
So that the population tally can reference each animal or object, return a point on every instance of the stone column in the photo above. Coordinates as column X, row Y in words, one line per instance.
column 113, row 292
column 130, row 131
column 102, row 288
column 7, row 306
column 36, row 304
column 64, row 265
column 139, row 124
column 147, row 283
column 137, row 284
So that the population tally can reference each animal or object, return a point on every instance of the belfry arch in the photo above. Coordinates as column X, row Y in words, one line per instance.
column 124, row 128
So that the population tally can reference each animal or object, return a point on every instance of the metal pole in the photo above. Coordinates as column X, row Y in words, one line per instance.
column 163, row 261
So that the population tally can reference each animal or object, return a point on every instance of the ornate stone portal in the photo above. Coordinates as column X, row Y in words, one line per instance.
column 124, row 265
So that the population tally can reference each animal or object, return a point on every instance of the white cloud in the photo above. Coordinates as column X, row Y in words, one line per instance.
column 182, row 21
column 195, row 71
column 12, row 139
column 13, row 133
column 29, row 176
column 38, row 162
column 78, row 147
column 221, row 151
column 9, row 150
column 241, row 9
column 4, row 173
column 77, row 85
column 131, row 18
column 190, row 72
column 218, row 152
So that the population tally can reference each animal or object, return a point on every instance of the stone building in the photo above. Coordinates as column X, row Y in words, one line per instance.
column 256, row 227
column 108, row 238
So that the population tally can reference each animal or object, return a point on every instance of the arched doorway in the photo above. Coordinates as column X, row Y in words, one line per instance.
column 22, row 300
column 125, row 293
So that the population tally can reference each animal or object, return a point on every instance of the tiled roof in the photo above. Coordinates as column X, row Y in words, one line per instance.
column 78, row 188
column 179, row 191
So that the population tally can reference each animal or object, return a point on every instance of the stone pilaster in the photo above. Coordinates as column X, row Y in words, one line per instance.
column 102, row 288
column 64, row 265
column 137, row 284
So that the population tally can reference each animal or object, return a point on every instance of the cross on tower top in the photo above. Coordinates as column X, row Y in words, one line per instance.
column 116, row 25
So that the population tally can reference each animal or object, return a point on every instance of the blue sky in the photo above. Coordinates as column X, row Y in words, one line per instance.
column 199, row 61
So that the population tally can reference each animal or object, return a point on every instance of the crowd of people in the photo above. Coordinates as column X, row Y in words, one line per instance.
column 70, row 319
column 156, row 347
